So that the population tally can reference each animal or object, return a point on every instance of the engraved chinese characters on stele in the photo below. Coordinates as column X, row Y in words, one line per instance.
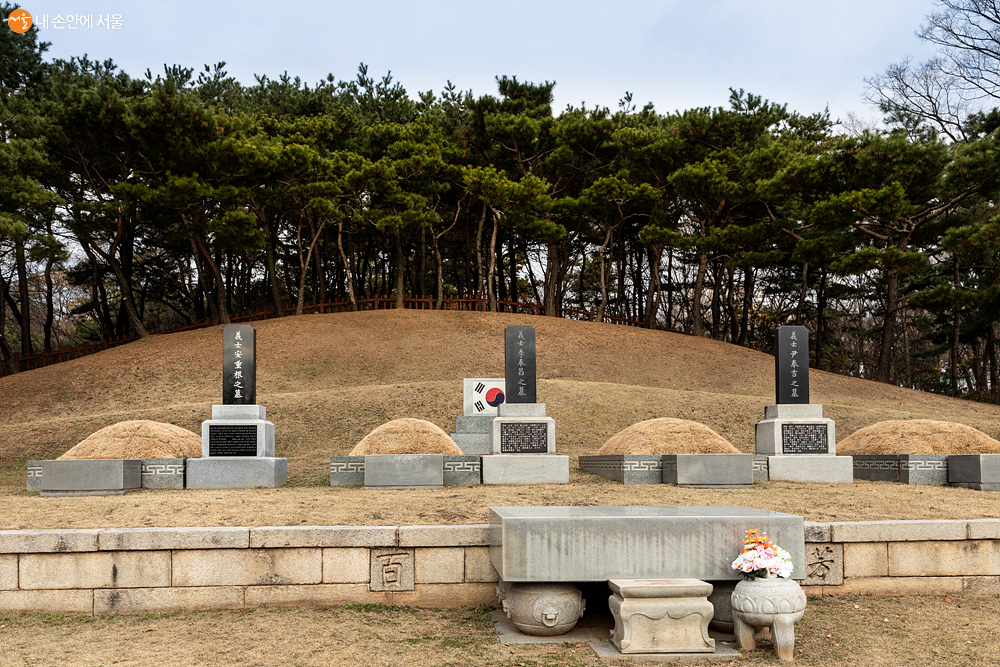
column 791, row 365
column 239, row 353
column 519, row 347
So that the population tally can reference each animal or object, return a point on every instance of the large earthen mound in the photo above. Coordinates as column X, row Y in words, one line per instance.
column 407, row 436
column 138, row 439
column 668, row 436
column 917, row 436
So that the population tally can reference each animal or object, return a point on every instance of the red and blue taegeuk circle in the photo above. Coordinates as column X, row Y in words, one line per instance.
column 494, row 397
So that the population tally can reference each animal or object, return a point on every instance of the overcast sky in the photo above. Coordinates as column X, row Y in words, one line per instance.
column 676, row 54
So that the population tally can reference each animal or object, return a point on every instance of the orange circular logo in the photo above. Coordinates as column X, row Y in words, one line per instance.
column 19, row 20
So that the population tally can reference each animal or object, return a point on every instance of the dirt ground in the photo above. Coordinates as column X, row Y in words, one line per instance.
column 844, row 631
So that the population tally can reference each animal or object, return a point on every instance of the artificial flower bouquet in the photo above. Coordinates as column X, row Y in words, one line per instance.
column 761, row 558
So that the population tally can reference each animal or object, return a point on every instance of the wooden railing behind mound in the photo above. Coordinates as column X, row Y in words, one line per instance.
column 33, row 361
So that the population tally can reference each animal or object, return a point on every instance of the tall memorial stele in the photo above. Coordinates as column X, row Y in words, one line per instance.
column 522, row 437
column 800, row 443
column 237, row 443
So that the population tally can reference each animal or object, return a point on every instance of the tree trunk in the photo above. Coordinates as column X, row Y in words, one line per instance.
column 734, row 326
column 300, row 303
column 128, row 298
column 820, row 319
column 697, row 323
column 604, row 278
column 551, row 276
column 8, row 354
column 49, row 306
column 490, row 287
column 991, row 348
column 479, row 254
column 206, row 290
column 716, row 301
column 955, row 330
column 272, row 275
column 800, row 308
column 883, row 367
column 400, row 270
column 23, row 297
column 347, row 269
column 748, row 280
column 653, row 288
column 220, row 286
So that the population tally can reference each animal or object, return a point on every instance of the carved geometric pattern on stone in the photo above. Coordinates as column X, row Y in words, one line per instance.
column 347, row 466
column 876, row 465
column 391, row 570
column 34, row 471
column 460, row 466
column 162, row 468
column 760, row 466
column 924, row 465
column 614, row 463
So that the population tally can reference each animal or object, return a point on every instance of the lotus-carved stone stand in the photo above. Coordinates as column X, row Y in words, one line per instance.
column 768, row 603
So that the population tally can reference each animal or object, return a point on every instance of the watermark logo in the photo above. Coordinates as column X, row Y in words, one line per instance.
column 19, row 20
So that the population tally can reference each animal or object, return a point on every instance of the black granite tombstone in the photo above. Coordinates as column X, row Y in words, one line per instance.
column 519, row 345
column 239, row 352
column 791, row 365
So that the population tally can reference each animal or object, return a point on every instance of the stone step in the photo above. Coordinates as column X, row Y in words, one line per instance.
column 473, row 444
column 473, row 423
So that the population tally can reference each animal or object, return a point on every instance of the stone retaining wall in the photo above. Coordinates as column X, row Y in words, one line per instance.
column 946, row 557
column 140, row 570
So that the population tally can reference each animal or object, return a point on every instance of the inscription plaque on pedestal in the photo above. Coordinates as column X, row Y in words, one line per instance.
column 239, row 355
column 232, row 440
column 524, row 438
column 804, row 439
column 519, row 348
column 791, row 365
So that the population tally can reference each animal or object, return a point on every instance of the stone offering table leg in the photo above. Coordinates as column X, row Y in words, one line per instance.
column 661, row 615
column 768, row 603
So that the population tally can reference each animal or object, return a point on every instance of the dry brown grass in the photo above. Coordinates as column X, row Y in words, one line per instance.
column 407, row 436
column 138, row 439
column 667, row 436
column 918, row 436
column 848, row 632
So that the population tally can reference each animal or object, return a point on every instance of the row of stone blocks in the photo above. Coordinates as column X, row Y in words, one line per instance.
column 119, row 476
column 436, row 470
column 973, row 471
column 699, row 470
column 111, row 475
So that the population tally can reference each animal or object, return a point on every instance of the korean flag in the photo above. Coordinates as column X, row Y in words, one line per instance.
column 481, row 396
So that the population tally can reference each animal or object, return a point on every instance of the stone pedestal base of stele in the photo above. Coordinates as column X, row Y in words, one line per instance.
column 237, row 472
column 661, row 615
column 795, row 429
column 525, row 469
column 472, row 434
column 97, row 477
column 819, row 469
column 237, row 430
column 522, row 428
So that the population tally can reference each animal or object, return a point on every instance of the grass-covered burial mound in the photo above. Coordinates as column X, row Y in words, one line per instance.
column 917, row 436
column 138, row 439
column 407, row 436
column 667, row 436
